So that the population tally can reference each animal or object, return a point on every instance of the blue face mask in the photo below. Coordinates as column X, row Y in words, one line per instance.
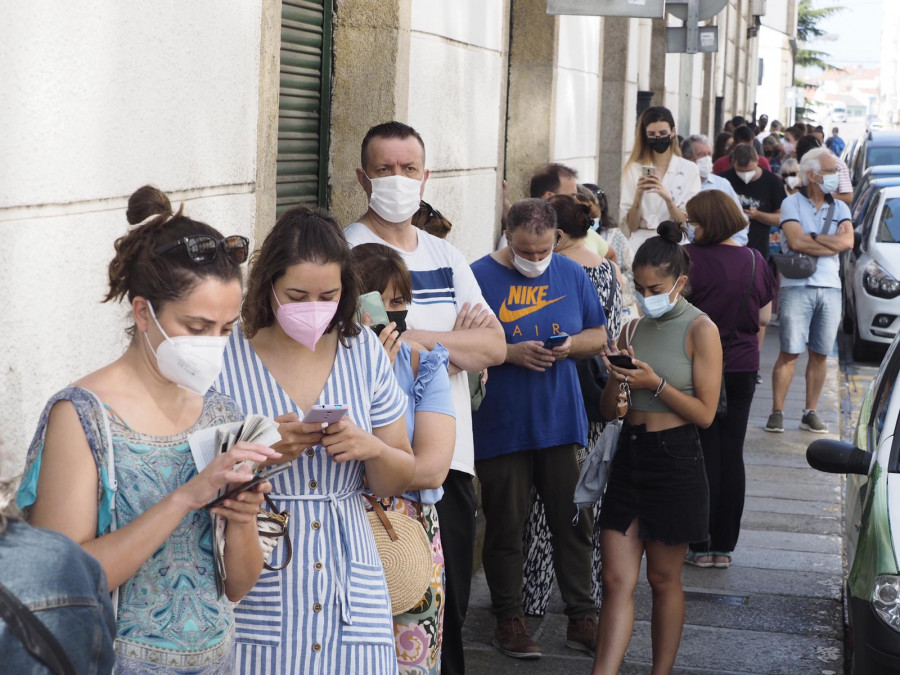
column 656, row 306
column 596, row 226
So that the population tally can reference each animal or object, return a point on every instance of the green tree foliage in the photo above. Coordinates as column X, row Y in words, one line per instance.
column 808, row 19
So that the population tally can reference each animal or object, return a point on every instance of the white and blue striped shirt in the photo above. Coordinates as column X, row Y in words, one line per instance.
column 328, row 611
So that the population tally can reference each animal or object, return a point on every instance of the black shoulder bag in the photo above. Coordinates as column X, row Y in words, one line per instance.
column 722, row 408
column 796, row 265
column 36, row 638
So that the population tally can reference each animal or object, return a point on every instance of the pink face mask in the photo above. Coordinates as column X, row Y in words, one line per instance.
column 305, row 322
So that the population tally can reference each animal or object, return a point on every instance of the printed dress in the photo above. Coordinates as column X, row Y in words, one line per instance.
column 538, row 568
column 328, row 611
column 170, row 618
column 418, row 633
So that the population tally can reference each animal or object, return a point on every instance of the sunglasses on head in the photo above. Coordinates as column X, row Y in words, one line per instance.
column 433, row 213
column 202, row 249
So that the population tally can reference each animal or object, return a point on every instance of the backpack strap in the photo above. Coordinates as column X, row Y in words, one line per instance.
column 35, row 636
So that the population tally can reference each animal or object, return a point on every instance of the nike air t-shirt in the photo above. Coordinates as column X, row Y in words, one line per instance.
column 524, row 409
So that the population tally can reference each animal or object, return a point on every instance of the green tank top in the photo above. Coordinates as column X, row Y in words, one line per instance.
column 662, row 343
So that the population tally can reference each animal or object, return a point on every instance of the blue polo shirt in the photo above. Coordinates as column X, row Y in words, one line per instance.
column 800, row 208
column 524, row 409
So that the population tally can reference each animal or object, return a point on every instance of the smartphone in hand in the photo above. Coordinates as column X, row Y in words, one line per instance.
column 621, row 361
column 372, row 304
column 325, row 414
column 555, row 340
column 250, row 484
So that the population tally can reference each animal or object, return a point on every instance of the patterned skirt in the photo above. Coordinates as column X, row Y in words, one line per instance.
column 538, row 549
column 418, row 632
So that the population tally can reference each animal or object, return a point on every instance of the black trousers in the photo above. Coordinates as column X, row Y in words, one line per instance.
column 506, row 483
column 456, row 512
column 723, row 453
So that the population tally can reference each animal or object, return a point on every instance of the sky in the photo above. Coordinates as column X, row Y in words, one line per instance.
column 854, row 34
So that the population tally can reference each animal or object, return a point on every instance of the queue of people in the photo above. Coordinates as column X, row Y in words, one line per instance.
column 679, row 292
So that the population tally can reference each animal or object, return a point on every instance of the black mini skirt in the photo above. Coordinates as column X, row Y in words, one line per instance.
column 659, row 478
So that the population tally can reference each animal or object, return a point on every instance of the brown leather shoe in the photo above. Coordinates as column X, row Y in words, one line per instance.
column 511, row 637
column 581, row 634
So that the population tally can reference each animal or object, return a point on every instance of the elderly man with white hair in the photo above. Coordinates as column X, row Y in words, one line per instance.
column 697, row 149
column 815, row 224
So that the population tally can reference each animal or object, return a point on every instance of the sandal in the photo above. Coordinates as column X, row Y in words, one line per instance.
column 699, row 559
column 721, row 559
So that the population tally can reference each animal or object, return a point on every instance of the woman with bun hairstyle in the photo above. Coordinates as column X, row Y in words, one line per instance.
column 657, row 181
column 144, row 520
column 733, row 285
column 431, row 425
column 656, row 500
column 574, row 217
column 298, row 345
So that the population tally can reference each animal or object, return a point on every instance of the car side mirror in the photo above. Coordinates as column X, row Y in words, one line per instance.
column 833, row 456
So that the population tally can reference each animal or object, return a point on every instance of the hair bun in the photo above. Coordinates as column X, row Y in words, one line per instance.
column 147, row 202
column 672, row 232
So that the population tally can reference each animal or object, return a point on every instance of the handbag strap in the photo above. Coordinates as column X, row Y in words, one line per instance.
column 282, row 517
column 382, row 516
column 36, row 638
column 829, row 217
column 743, row 303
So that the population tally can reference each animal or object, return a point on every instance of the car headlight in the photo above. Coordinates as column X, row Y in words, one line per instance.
column 878, row 282
column 886, row 600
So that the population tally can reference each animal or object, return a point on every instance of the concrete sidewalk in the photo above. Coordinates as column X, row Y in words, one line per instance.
column 776, row 610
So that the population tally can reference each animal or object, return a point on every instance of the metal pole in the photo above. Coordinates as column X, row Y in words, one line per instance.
column 692, row 23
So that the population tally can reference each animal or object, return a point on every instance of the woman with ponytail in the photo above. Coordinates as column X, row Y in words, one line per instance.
column 657, row 181
column 137, row 506
column 656, row 500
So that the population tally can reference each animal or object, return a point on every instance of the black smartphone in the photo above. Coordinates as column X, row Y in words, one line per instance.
column 250, row 484
column 621, row 361
column 555, row 340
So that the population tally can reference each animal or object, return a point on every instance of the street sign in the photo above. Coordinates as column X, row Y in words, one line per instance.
column 706, row 9
column 676, row 39
column 643, row 9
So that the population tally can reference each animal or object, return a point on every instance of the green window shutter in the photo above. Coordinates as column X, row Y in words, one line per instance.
column 304, row 103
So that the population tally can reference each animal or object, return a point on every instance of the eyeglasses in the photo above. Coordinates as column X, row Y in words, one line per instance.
column 203, row 249
column 791, row 173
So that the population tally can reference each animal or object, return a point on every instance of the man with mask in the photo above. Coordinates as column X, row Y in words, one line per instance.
column 742, row 136
column 815, row 224
column 761, row 193
column 696, row 148
column 447, row 307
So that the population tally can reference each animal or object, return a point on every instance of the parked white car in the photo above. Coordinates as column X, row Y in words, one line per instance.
column 871, row 522
column 872, row 277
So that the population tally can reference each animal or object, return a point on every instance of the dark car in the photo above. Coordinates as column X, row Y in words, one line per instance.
column 877, row 148
column 871, row 521
column 876, row 177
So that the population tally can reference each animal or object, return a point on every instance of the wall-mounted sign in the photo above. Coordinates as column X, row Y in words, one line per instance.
column 644, row 9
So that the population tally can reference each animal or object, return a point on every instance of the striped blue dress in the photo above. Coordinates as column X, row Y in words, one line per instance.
column 328, row 611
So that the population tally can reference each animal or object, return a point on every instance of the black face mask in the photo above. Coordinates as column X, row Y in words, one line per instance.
column 660, row 145
column 398, row 317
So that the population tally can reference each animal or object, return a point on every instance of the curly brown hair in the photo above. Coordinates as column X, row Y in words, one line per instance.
column 300, row 235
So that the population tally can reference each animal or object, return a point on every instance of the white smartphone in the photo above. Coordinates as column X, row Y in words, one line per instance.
column 648, row 170
column 328, row 414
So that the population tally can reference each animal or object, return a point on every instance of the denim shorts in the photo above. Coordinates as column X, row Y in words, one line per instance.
column 810, row 316
column 659, row 478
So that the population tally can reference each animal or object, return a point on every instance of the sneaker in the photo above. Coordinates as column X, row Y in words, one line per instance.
column 776, row 422
column 582, row 635
column 811, row 422
column 758, row 378
column 511, row 637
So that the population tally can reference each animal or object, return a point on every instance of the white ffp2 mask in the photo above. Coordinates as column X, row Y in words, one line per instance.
column 395, row 198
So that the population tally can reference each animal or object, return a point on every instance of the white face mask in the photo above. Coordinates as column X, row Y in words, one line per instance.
column 395, row 198
column 792, row 182
column 193, row 362
column 705, row 165
column 530, row 268
column 746, row 176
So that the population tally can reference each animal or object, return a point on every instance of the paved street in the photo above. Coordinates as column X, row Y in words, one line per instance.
column 778, row 608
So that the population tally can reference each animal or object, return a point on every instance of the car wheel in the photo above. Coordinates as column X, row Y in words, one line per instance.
column 863, row 350
column 847, row 320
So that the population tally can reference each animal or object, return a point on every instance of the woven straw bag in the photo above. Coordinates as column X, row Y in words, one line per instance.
column 405, row 554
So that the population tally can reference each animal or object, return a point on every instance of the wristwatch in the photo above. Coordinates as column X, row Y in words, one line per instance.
column 814, row 235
